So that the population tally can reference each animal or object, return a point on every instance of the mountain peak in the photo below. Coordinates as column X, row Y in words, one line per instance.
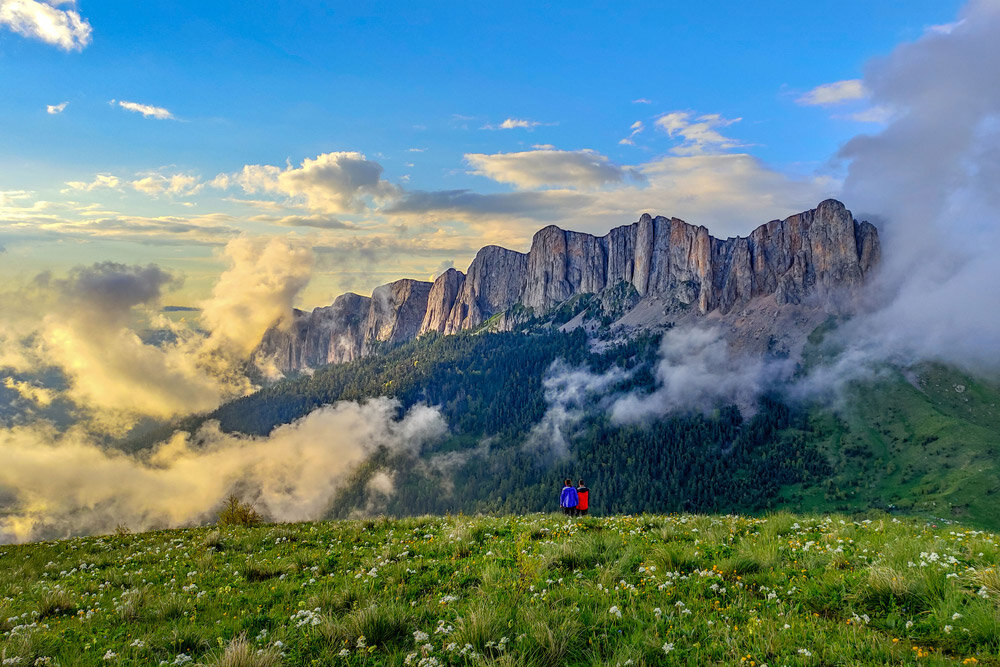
column 678, row 265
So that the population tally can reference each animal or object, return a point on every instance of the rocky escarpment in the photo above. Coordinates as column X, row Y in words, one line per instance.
column 664, row 259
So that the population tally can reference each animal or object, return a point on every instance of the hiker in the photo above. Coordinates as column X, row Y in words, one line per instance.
column 583, row 498
column 568, row 499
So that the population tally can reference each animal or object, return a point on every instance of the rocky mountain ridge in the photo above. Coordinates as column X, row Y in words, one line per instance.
column 678, row 266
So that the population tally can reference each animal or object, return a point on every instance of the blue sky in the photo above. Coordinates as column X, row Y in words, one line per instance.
column 217, row 105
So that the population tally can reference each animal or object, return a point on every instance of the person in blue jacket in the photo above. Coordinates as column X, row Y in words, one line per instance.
column 569, row 498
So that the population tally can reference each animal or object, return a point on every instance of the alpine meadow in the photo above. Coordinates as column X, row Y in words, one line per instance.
column 528, row 334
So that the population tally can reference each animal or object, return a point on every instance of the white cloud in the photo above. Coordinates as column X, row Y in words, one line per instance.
column 86, row 325
column 514, row 124
column 330, row 183
column 256, row 291
column 42, row 20
column 147, row 110
column 697, row 372
column 830, row 94
column 730, row 193
column 68, row 484
column 100, row 181
column 56, row 108
column 175, row 184
column 931, row 176
column 636, row 128
column 548, row 168
column 642, row 100
column 700, row 134
column 944, row 28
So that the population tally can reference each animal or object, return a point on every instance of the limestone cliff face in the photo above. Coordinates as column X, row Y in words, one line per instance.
column 396, row 312
column 681, row 265
column 441, row 300
column 494, row 283
column 329, row 335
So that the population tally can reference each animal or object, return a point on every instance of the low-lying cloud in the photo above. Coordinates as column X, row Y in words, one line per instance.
column 697, row 372
column 87, row 325
column 62, row 484
column 571, row 394
column 929, row 178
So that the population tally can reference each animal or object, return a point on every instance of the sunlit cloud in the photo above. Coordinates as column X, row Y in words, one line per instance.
column 549, row 168
column 175, row 184
column 830, row 94
column 109, row 181
column 699, row 133
column 54, row 109
column 876, row 114
column 64, row 28
column 330, row 182
column 318, row 221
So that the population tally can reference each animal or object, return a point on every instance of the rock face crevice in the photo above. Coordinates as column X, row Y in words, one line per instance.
column 815, row 252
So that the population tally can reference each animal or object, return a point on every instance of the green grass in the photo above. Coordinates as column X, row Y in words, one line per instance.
column 537, row 590
column 923, row 441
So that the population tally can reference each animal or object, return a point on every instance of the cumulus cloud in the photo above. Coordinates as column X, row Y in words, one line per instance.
column 109, row 181
column 696, row 372
column 331, row 182
column 699, row 134
column 147, row 110
column 830, row 94
column 31, row 391
column 87, row 333
column 56, row 108
column 175, row 184
column 90, row 319
column 730, row 193
column 256, row 291
column 64, row 28
column 549, row 168
column 65, row 484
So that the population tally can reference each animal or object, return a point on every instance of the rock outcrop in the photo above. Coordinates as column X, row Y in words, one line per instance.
column 812, row 253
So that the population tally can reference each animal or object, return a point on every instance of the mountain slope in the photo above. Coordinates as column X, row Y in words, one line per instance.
column 925, row 439
column 905, row 442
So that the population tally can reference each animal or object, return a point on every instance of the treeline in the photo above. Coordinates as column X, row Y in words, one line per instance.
column 489, row 388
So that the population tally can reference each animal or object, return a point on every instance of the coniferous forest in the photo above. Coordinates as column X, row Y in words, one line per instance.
column 489, row 388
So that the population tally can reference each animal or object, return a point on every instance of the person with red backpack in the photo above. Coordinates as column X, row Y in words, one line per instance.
column 583, row 499
column 568, row 498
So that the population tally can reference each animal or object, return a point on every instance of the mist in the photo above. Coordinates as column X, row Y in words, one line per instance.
column 571, row 393
column 929, row 180
column 63, row 484
column 695, row 373
column 87, row 325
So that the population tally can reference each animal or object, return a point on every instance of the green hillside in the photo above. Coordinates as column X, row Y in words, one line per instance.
column 925, row 440
column 922, row 441
column 513, row 590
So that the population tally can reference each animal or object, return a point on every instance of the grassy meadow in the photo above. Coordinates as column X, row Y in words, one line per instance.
column 510, row 590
